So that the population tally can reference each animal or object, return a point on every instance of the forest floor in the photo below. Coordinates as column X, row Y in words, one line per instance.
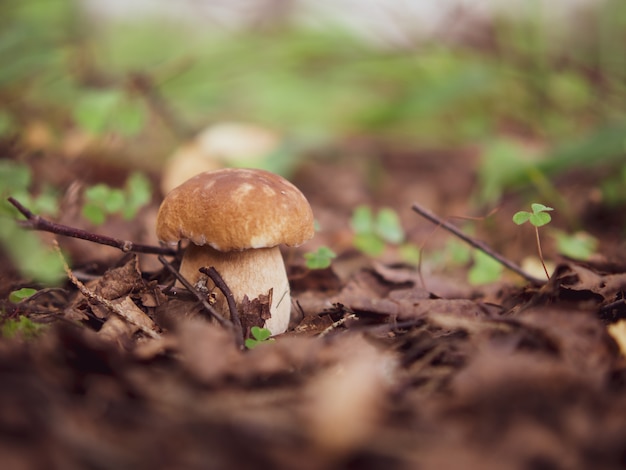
column 384, row 365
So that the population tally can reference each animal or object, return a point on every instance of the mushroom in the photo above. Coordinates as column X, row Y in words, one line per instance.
column 235, row 220
column 234, row 144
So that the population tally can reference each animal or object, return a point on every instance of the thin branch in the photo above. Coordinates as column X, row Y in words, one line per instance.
column 36, row 222
column 205, row 304
column 217, row 279
column 479, row 245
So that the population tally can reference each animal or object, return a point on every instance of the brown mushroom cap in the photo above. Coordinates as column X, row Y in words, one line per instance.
column 236, row 209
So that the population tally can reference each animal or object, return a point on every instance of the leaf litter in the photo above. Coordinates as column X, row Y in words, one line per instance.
column 378, row 370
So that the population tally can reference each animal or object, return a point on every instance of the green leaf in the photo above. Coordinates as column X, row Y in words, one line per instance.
column 260, row 334
column 362, row 221
column 540, row 219
column 97, row 194
column 521, row 217
column 93, row 213
column 320, row 259
column 369, row 243
column 33, row 259
column 138, row 193
column 485, row 269
column 18, row 295
column 251, row 343
column 409, row 253
column 538, row 208
column 115, row 200
column 388, row 226
column 579, row 245
column 95, row 109
column 13, row 177
column 129, row 117
column 23, row 327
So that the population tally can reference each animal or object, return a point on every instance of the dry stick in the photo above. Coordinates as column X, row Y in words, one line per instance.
column 36, row 222
column 476, row 244
column 207, row 306
column 101, row 300
column 217, row 279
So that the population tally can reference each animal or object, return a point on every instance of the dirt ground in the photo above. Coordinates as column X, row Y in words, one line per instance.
column 382, row 367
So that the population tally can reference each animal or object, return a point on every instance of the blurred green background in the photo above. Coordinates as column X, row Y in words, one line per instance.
column 534, row 96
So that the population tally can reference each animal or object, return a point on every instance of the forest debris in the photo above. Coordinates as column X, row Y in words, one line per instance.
column 578, row 282
column 129, row 320
column 256, row 311
column 121, row 281
column 346, row 401
column 618, row 332
column 141, row 321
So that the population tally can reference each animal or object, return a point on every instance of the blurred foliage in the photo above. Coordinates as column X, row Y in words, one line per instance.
column 23, row 328
column 24, row 248
column 524, row 84
column 372, row 231
column 102, row 200
column 578, row 245
column 320, row 258
column 311, row 82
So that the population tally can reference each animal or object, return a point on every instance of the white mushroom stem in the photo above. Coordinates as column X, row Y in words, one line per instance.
column 250, row 272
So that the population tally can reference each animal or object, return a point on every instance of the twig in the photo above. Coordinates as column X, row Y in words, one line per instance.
column 337, row 324
column 476, row 244
column 202, row 299
column 36, row 222
column 217, row 279
column 101, row 300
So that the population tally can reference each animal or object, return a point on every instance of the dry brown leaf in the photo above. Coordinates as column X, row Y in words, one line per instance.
column 129, row 320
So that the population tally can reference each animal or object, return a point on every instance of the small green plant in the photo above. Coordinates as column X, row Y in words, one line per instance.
column 18, row 295
column 538, row 218
column 101, row 200
column 24, row 248
column 373, row 231
column 23, row 327
column 259, row 336
column 319, row 259
column 579, row 245
column 109, row 110
column 484, row 270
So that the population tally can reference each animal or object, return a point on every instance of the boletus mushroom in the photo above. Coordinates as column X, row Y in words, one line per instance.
column 235, row 220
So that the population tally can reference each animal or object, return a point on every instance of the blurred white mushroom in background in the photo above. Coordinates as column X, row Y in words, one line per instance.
column 226, row 144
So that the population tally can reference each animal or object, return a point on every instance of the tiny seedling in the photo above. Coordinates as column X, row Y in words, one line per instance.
column 259, row 336
column 23, row 327
column 319, row 259
column 18, row 295
column 537, row 218
column 373, row 231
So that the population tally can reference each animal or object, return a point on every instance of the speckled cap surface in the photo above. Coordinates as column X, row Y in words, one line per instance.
column 236, row 209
